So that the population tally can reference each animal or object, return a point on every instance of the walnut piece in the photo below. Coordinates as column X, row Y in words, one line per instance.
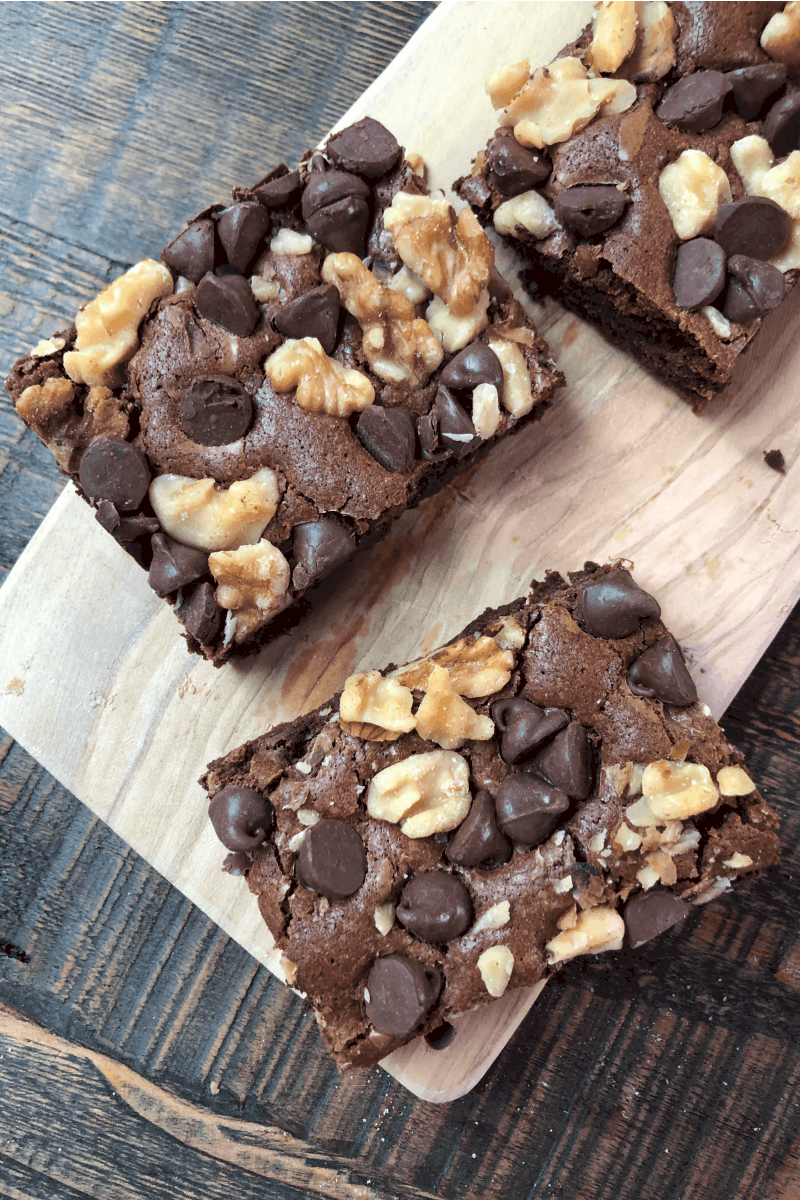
column 408, row 284
column 398, row 345
column 738, row 861
column 51, row 408
column 443, row 717
column 376, row 709
column 781, row 36
column 654, row 54
column 733, row 781
column 595, row 930
column 672, row 791
column 108, row 327
column 560, row 99
column 517, row 392
column 693, row 187
column 504, row 83
column 493, row 918
column 47, row 346
column 425, row 793
column 476, row 666
column 253, row 582
column 485, row 410
column 322, row 383
column 264, row 289
column 289, row 241
column 456, row 332
column 496, row 965
column 510, row 635
column 614, row 35
column 384, row 918
column 193, row 512
column 529, row 211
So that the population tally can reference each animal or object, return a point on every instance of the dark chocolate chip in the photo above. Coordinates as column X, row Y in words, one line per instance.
column 241, row 817
column 192, row 252
column 215, row 411
column 753, row 225
column 115, row 471
column 237, row 863
column 474, row 365
column 700, row 269
column 695, row 102
column 590, row 209
column 499, row 290
column 200, row 614
column 124, row 529
column 782, row 125
column 226, row 269
column 402, row 991
column 567, row 761
column 775, row 459
column 647, row 914
column 754, row 287
column 511, row 169
column 274, row 193
column 229, row 302
column 367, row 148
column 174, row 565
column 752, row 86
column 335, row 210
column 528, row 809
column 525, row 727
column 388, row 434
column 332, row 860
column 435, row 907
column 479, row 841
column 319, row 547
column 456, row 431
column 318, row 162
column 614, row 606
column 240, row 229
column 315, row 314
column 428, row 432
column 660, row 673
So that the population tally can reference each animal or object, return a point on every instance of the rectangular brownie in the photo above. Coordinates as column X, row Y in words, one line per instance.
column 300, row 368
column 541, row 786
column 650, row 178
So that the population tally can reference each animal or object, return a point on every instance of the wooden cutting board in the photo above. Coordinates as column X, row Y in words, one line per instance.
column 95, row 680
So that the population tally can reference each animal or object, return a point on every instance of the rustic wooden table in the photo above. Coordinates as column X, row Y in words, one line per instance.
column 142, row 1052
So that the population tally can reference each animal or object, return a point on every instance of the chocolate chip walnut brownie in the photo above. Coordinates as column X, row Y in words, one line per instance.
column 301, row 367
column 542, row 786
column 650, row 177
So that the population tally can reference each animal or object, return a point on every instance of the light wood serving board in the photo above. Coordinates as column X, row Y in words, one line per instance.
column 95, row 680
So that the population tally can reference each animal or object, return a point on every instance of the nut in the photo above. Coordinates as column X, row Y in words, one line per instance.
column 384, row 918
column 781, row 36
column 289, row 969
column 417, row 163
column 733, row 781
column 752, row 157
column 661, row 862
column 495, row 966
column 50, row 409
column 504, row 83
column 517, row 393
column 738, row 861
column 108, row 327
column 456, row 332
column 614, row 35
column 782, row 184
column 322, row 383
column 693, row 187
column 370, row 701
column 560, row 99
column 264, row 289
column 289, row 241
column 510, row 636
column 648, row 877
column 47, row 346
column 485, row 410
column 718, row 322
column 253, row 582
column 598, row 842
column 563, row 885
column 494, row 918
column 443, row 717
column 595, row 930
column 477, row 667
column 425, row 793
column 653, row 55
column 398, row 345
column 409, row 284
column 627, row 839
column 672, row 792
column 193, row 512
column 528, row 210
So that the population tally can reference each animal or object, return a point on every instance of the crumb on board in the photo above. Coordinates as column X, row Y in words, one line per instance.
column 775, row 459
column 16, row 685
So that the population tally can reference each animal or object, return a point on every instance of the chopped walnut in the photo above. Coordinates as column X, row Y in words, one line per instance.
column 672, row 792
column 398, row 345
column 654, row 54
column 485, row 410
column 496, row 966
column 693, row 187
column 511, row 635
column 322, row 383
column 493, row 918
column 253, row 582
column 517, row 392
column 781, row 36
column 627, row 839
column 52, row 410
column 529, row 211
column 193, row 512
column 47, row 346
column 409, row 285
column 384, row 918
column 289, row 241
column 375, row 708
column 595, row 930
column 738, row 861
column 456, row 332
column 733, row 781
column 108, row 327
column 476, row 666
column 560, row 99
column 443, row 717
column 264, row 289
column 425, row 793
column 506, row 82
column 614, row 35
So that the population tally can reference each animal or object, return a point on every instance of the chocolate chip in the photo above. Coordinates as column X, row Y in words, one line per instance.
column 401, row 991
column 215, row 411
column 567, row 761
column 660, row 673
column 316, row 314
column 240, row 229
column 241, row 817
column 332, row 860
column 367, row 148
column 753, row 225
column 754, row 287
column 782, row 125
column 456, row 431
column 695, row 102
column 200, row 614
column 775, row 459
column 525, row 727
column 590, row 209
column 511, row 169
column 479, row 841
column 647, row 914
column 227, row 301
column 499, row 290
column 335, row 210
column 614, row 606
column 274, row 193
column 319, row 547
column 115, row 471
column 226, row 269
column 124, row 529
column 237, row 863
column 428, row 433
column 528, row 808
column 192, row 252
column 752, row 86
column 388, row 435
column 700, row 270
column 435, row 907
column 174, row 565
column 474, row 365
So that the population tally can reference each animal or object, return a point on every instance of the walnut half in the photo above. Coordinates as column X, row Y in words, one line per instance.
column 425, row 793
column 253, row 582
column 322, row 383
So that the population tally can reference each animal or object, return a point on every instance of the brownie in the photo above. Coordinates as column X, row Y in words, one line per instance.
column 301, row 367
column 649, row 179
column 437, row 833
